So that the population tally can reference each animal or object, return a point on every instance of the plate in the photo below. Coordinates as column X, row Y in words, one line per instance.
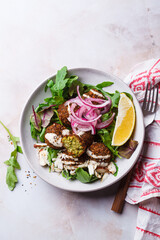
column 90, row 76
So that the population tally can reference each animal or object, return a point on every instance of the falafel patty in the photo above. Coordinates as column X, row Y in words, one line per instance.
column 54, row 134
column 100, row 160
column 76, row 145
column 63, row 112
column 98, row 151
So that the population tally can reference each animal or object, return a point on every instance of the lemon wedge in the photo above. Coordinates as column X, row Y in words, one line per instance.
column 125, row 121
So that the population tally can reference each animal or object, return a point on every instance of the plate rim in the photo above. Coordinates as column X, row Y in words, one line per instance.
column 66, row 188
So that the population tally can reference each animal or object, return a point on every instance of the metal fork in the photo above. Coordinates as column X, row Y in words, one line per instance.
column 150, row 104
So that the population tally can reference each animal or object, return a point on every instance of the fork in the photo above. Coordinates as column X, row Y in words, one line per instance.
column 149, row 110
column 150, row 104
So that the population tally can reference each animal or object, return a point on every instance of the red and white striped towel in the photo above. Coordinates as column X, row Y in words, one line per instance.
column 145, row 183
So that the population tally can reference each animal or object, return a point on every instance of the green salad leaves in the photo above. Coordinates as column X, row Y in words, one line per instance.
column 12, row 163
column 62, row 87
column 81, row 175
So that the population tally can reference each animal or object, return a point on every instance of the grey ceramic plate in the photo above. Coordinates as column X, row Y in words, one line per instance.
column 90, row 76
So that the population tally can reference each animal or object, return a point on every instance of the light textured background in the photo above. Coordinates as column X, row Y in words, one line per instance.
column 37, row 37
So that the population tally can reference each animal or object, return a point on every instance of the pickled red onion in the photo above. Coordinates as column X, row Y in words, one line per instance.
column 95, row 100
column 83, row 120
column 88, row 116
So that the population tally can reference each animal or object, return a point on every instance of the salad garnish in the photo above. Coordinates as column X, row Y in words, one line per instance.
column 12, row 163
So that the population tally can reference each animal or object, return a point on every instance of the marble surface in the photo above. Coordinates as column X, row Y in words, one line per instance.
column 38, row 37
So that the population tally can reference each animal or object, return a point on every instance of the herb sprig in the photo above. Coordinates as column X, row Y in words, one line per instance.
column 12, row 163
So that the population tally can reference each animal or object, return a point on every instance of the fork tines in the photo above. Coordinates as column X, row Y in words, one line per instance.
column 150, row 98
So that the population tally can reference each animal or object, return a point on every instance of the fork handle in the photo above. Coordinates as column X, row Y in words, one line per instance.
column 119, row 199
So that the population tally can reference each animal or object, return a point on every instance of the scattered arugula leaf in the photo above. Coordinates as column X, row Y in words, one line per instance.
column 19, row 149
column 12, row 163
column 12, row 138
column 11, row 178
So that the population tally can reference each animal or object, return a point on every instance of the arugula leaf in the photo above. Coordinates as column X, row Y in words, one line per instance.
column 84, row 177
column 19, row 149
column 68, row 176
column 14, row 153
column 106, row 116
column 50, row 83
column 12, row 138
column 106, row 136
column 104, row 84
column 60, row 76
column 115, row 99
column 13, row 162
column 57, row 85
column 11, row 178
column 60, row 82
column 129, row 95
column 115, row 174
column 56, row 112
column 40, row 107
column 34, row 132
column 54, row 100
column 41, row 135
column 81, row 175
column 71, row 79
column 52, row 153
column 73, row 87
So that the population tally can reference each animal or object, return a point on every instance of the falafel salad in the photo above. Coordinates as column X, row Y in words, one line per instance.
column 81, row 131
